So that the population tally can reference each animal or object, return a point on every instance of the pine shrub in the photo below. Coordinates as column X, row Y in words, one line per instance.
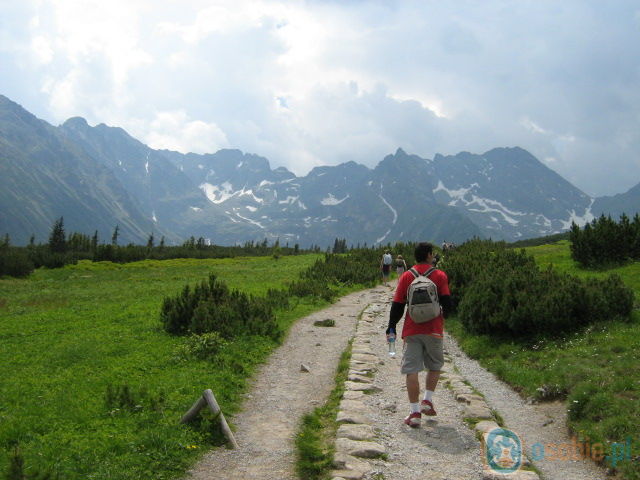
column 212, row 307
column 604, row 241
column 15, row 262
column 501, row 291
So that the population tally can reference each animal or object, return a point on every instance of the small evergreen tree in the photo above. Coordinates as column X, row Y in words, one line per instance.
column 94, row 242
column 114, row 237
column 57, row 238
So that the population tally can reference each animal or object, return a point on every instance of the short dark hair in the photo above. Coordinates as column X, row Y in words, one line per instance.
column 422, row 251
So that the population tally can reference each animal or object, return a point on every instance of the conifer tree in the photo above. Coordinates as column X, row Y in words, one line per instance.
column 94, row 241
column 114, row 237
column 57, row 238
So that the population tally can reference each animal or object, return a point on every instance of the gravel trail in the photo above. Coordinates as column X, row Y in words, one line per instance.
column 281, row 394
column 444, row 448
column 544, row 423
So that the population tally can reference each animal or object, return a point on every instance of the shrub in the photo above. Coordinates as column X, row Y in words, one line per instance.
column 509, row 295
column 15, row 263
column 604, row 241
column 212, row 307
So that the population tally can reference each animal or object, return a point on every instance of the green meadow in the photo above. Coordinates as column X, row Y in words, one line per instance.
column 92, row 387
column 595, row 371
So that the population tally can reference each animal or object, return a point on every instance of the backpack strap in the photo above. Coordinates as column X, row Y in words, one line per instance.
column 416, row 274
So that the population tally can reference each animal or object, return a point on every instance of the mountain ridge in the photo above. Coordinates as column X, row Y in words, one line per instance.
column 231, row 197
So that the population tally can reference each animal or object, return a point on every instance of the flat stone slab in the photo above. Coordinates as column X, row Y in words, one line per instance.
column 468, row 397
column 519, row 475
column 362, row 351
column 478, row 410
column 359, row 378
column 352, row 395
column 362, row 339
column 348, row 474
column 363, row 387
column 345, row 416
column 486, row 426
column 363, row 449
column 356, row 432
column 353, row 406
column 364, row 366
column 464, row 390
column 344, row 461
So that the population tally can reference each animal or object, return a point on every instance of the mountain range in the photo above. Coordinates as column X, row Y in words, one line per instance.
column 99, row 177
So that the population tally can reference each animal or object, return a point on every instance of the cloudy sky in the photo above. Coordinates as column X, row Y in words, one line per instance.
column 307, row 83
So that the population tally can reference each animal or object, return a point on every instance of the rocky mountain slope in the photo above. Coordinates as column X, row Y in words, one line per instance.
column 98, row 177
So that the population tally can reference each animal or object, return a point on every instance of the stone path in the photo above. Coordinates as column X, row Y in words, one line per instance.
column 372, row 442
column 282, row 393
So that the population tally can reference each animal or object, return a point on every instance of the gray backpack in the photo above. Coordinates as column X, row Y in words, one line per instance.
column 422, row 297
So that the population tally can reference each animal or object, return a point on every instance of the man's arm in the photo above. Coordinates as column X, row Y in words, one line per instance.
column 397, row 310
column 445, row 303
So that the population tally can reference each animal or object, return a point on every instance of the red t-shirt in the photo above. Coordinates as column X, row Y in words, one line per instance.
column 433, row 327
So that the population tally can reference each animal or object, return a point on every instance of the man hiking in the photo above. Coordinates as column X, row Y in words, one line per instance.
column 385, row 265
column 423, row 338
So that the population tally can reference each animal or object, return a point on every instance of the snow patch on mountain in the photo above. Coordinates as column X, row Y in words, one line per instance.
column 393, row 210
column 331, row 200
column 580, row 221
column 458, row 194
column 381, row 239
column 217, row 194
column 479, row 204
column 250, row 221
column 249, row 193
column 290, row 200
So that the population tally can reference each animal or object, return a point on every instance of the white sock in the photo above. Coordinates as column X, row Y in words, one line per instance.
column 428, row 395
column 415, row 407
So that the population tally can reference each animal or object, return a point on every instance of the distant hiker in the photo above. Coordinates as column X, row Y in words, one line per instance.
column 445, row 245
column 385, row 266
column 436, row 259
column 422, row 341
column 401, row 265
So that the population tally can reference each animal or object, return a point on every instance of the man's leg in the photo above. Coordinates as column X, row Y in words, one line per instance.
column 413, row 387
column 432, row 380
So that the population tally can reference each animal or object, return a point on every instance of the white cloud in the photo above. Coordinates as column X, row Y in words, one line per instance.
column 41, row 48
column 322, row 82
column 176, row 131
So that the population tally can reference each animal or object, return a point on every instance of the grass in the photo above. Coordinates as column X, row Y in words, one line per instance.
column 315, row 440
column 596, row 371
column 69, row 336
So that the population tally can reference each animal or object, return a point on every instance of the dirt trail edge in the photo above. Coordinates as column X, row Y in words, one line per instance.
column 281, row 394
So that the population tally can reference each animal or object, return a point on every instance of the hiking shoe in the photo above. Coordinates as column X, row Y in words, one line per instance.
column 413, row 420
column 427, row 408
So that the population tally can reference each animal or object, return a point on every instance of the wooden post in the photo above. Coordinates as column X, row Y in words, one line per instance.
column 208, row 398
